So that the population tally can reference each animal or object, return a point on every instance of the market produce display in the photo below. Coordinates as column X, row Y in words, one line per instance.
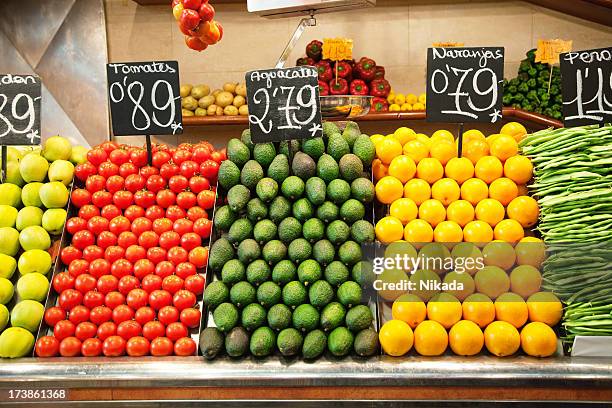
column 406, row 102
column 200, row 101
column 288, row 253
column 131, row 282
column 536, row 88
column 195, row 19
column 33, row 199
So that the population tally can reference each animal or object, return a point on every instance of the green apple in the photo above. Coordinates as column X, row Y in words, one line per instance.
column 53, row 220
column 30, row 194
column 10, row 194
column 16, row 342
column 33, row 286
column 54, row 195
column 28, row 216
column 79, row 155
column 9, row 241
column 34, row 237
column 13, row 154
column 13, row 175
column 57, row 148
column 8, row 215
column 27, row 314
column 6, row 291
column 8, row 265
column 33, row 167
column 34, row 261
column 61, row 170
column 4, row 317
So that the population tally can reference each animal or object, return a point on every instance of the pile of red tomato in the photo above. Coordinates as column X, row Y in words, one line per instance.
column 137, row 246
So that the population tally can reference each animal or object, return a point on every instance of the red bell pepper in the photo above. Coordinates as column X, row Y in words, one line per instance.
column 366, row 69
column 324, row 70
column 380, row 104
column 380, row 88
column 338, row 87
column 379, row 73
column 359, row 87
column 304, row 61
column 343, row 69
column 314, row 49
column 323, row 88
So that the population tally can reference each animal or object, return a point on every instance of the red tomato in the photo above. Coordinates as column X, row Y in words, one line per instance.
column 184, row 299
column 127, row 239
column 113, row 346
column 148, row 239
column 99, row 267
column 140, row 225
column 189, row 168
column 172, row 283
column 78, row 314
column 169, row 239
column 186, row 200
column 109, row 146
column 114, row 252
column 121, row 267
column 156, row 255
column 135, row 253
column 159, row 299
column 144, row 314
column 154, row 212
column 153, row 329
column 151, row 282
column 160, row 158
column 85, row 330
column 119, row 156
column 178, row 183
column 176, row 330
column 138, row 346
column 96, row 156
column 114, row 183
column 127, row 284
column 162, row 225
column 53, row 315
column 93, row 299
column 190, row 317
column 107, row 284
column 84, row 283
column 185, row 269
column 133, row 212
column 110, row 211
column 119, row 224
column 148, row 171
column 82, row 239
column 91, row 348
column 209, row 169
column 138, row 157
column 107, row 239
column 181, row 155
column 185, row 346
column 195, row 284
column 174, row 212
column 165, row 198
column 161, row 346
column 164, row 268
column 97, row 224
column 87, row 211
column 70, row 347
column 198, row 184
column 128, row 329
column 168, row 314
column 200, row 154
column 134, row 183
column 206, row 199
column 84, row 170
column 199, row 257
column 143, row 267
column 100, row 314
column 106, row 329
column 70, row 298
column 80, row 197
column 63, row 329
column 167, row 170
column 69, row 254
column 114, row 299
column 123, row 199
column 75, row 224
column 155, row 183
column 195, row 213
column 203, row 227
column 63, row 281
column 127, row 169
column 92, row 252
column 191, row 240
column 176, row 255
column 182, row 226
column 108, row 169
column 122, row 313
column 47, row 346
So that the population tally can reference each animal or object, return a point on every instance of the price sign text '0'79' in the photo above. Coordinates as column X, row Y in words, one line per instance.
column 20, row 97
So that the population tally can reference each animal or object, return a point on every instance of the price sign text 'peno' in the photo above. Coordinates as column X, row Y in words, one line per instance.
column 20, row 109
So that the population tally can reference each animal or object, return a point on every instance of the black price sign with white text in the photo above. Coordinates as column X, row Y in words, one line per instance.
column 465, row 84
column 145, row 98
column 284, row 104
column 586, row 83
column 20, row 97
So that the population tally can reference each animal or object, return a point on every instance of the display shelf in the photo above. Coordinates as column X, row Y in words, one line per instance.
column 167, row 2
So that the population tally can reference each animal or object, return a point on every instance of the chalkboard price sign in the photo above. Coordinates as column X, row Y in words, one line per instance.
column 145, row 98
column 19, row 109
column 586, row 81
column 284, row 104
column 464, row 84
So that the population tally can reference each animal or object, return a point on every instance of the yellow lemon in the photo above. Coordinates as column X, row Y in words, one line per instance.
column 460, row 211
column 443, row 134
column 396, row 338
column 404, row 209
column 509, row 231
column 391, row 97
column 488, row 169
column 400, row 98
column 388, row 149
column 498, row 253
column 525, row 210
column 422, row 98
column 530, row 251
column 430, row 170
column 418, row 106
column 418, row 231
column 445, row 309
column 474, row 150
column 406, row 107
column 448, row 231
column 411, row 98
column 544, row 307
column 503, row 147
column 389, row 189
column 442, row 151
column 514, row 129
column 459, row 169
column 377, row 138
column 394, row 107
column 525, row 280
column 410, row 309
column 502, row 339
column 492, row 281
column 403, row 168
column 518, row 169
column 446, row 190
column 389, row 229
column 478, row 232
column 538, row 340
column 465, row 338
column 511, row 308
column 468, row 258
column 404, row 135
column 503, row 190
column 430, row 338
column 474, row 190
column 379, row 170
column 416, row 150
column 479, row 309
column 418, row 190
column 490, row 211
column 432, row 211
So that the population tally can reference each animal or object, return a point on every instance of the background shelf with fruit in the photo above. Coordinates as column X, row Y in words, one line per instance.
column 200, row 101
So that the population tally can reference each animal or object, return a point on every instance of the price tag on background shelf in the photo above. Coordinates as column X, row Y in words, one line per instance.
column 283, row 104
column 464, row 84
column 448, row 44
column 20, row 97
column 586, row 83
column 144, row 98
column 548, row 51
column 337, row 49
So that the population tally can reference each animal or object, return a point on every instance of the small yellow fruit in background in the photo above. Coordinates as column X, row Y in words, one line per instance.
column 478, row 232
column 459, row 169
column 509, row 231
column 394, row 107
column 448, row 232
column 432, row 211
column 488, row 169
column 406, row 107
column 400, row 99
column 474, row 190
column 503, row 147
column 396, row 338
column 530, row 251
column 511, row 308
column 389, row 229
column 418, row 106
column 391, row 98
column 518, row 168
column 403, row 168
column 514, row 129
column 503, row 190
column 430, row 338
column 417, row 190
column 388, row 149
column 538, row 340
column 389, row 189
column 525, row 280
column 490, row 211
column 479, row 309
column 544, row 307
column 492, row 281
column 410, row 309
column 411, row 99
column 465, row 338
column 502, row 339
column 404, row 209
column 416, row 150
column 418, row 231
column 461, row 212
column 430, row 170
column 525, row 210
column 423, row 98
column 500, row 254
column 446, row 190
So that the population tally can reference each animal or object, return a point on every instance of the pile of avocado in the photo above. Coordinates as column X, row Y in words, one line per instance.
column 288, row 263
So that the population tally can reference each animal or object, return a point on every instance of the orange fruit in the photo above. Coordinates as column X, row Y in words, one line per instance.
column 404, row 135
column 445, row 309
column 432, row 211
column 465, row 338
column 544, row 307
column 488, row 168
column 404, row 209
column 511, row 308
column 492, row 281
column 389, row 189
column 410, row 309
column 460, row 211
column 396, row 338
column 518, row 169
column 503, row 190
column 418, row 231
column 416, row 150
column 474, row 190
column 503, row 147
column 402, row 168
column 525, row 280
column 460, row 278
column 448, row 231
column 379, row 170
column 442, row 151
column 446, row 190
column 530, row 251
column 500, row 254
column 509, row 231
column 389, row 229
column 514, row 129
column 478, row 232
column 459, row 169
column 490, row 211
column 430, row 170
column 522, row 190
column 472, row 134
column 470, row 257
column 479, row 309
column 443, row 134
column 391, row 279
column 430, row 338
column 376, row 138
column 502, row 339
column 538, row 340
column 525, row 210
column 418, row 190
column 388, row 149
column 474, row 150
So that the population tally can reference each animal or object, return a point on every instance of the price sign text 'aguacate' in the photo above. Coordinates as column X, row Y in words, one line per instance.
column 20, row 97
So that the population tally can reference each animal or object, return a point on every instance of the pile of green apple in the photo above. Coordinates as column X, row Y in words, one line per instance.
column 33, row 198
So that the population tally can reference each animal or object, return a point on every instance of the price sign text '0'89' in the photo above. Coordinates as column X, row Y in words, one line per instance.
column 20, row 97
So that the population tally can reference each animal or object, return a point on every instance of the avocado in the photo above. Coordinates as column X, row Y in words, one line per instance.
column 253, row 316
column 315, row 190
column 268, row 294
column 327, row 212
column 242, row 294
column 256, row 210
column 313, row 147
column 289, row 342
column 323, row 252
column 229, row 174
column 240, row 230
column 352, row 210
column 251, row 173
column 248, row 250
column 299, row 250
column 350, row 133
column 238, row 152
column 280, row 208
column 327, row 168
column 309, row 271
column 264, row 153
column 292, row 187
column 220, row 252
column 279, row 317
column 349, row 293
column 294, row 294
column 366, row 343
column 329, row 128
column 338, row 191
column 279, row 168
column 284, row 272
column 289, row 229
column 285, row 146
column 337, row 232
column 359, row 318
column 362, row 273
column 237, row 197
column 305, row 318
column 266, row 189
column 337, row 146
column 262, row 342
column 274, row 252
column 362, row 232
column 351, row 167
column 258, row 272
column 340, row 341
column 225, row 316
column 245, row 138
column 365, row 150
column 236, row 342
column 233, row 272
column 215, row 293
column 350, row 253
column 320, row 294
column 332, row 316
column 302, row 209
column 211, row 342
column 224, row 217
column 314, row 345
column 362, row 189
column 264, row 231
column 336, row 273
column 313, row 230
column 303, row 166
